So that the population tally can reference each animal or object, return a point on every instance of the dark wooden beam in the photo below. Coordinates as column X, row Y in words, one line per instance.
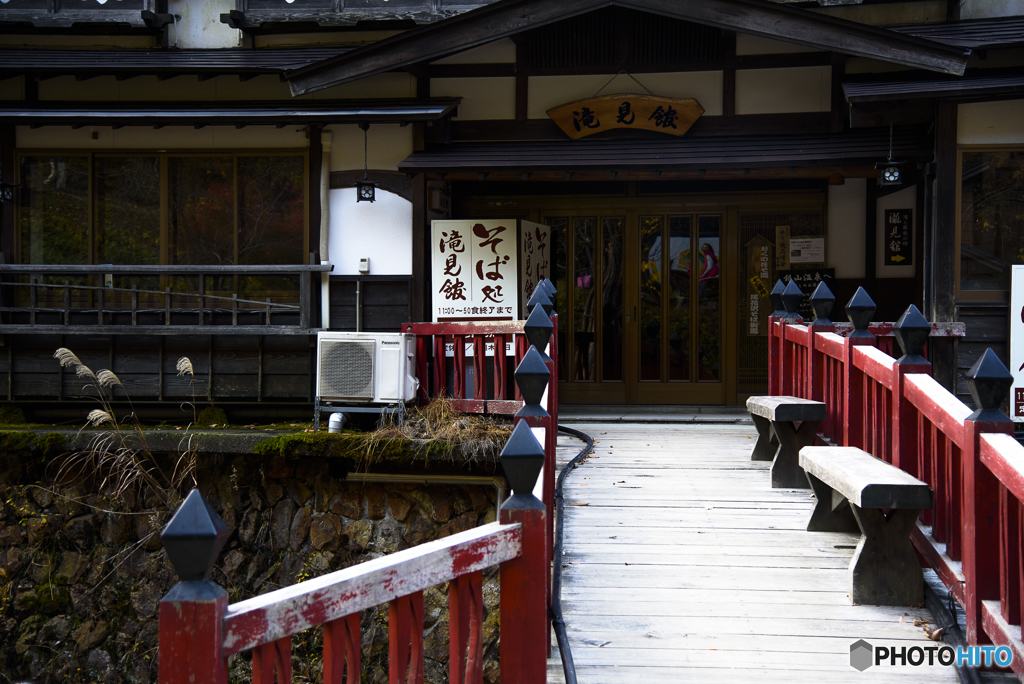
column 509, row 17
column 944, row 238
column 316, row 155
column 522, row 81
column 870, row 234
column 838, row 100
column 545, row 129
column 729, row 74
column 471, row 70
column 420, row 304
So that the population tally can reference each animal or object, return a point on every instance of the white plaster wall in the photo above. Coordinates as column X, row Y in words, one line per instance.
column 979, row 9
column 844, row 245
column 387, row 144
column 482, row 98
column 747, row 44
column 172, row 137
column 991, row 123
column 772, row 91
column 380, row 230
column 499, row 52
column 200, row 25
column 904, row 199
column 546, row 92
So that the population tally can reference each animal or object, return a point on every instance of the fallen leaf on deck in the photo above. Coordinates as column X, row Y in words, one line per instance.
column 901, row 619
column 936, row 635
column 579, row 503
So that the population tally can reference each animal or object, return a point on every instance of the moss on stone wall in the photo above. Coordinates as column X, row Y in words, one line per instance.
column 49, row 444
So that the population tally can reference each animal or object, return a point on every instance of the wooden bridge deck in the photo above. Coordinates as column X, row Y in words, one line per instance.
column 682, row 564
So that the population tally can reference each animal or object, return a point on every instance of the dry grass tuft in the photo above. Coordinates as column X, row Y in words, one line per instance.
column 469, row 437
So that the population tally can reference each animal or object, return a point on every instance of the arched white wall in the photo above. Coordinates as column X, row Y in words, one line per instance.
column 380, row 230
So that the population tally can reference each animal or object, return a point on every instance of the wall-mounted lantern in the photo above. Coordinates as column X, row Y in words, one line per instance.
column 365, row 190
column 7, row 191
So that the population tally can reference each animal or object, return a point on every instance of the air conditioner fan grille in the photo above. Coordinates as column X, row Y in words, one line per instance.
column 346, row 369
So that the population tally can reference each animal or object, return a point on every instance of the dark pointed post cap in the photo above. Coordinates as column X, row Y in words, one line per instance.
column 791, row 298
column 776, row 297
column 859, row 310
column 540, row 296
column 532, row 376
column 549, row 287
column 538, row 329
column 822, row 301
column 194, row 538
column 522, row 460
column 989, row 382
column 912, row 331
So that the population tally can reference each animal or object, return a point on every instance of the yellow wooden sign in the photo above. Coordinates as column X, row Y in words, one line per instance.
column 660, row 114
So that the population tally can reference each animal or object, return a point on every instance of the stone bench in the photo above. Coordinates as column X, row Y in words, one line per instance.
column 853, row 490
column 779, row 440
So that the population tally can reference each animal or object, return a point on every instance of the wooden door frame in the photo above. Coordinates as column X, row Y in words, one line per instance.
column 729, row 204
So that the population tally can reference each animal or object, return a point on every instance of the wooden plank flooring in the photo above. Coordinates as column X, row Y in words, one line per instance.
column 683, row 565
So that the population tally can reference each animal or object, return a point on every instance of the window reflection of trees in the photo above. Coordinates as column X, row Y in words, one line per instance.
column 584, row 299
column 992, row 218
column 611, row 299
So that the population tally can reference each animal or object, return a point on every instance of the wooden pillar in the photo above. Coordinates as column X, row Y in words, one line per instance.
column 311, row 305
column 8, row 169
column 419, row 307
column 944, row 240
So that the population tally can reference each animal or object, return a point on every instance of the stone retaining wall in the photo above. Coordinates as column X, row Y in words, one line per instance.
column 82, row 572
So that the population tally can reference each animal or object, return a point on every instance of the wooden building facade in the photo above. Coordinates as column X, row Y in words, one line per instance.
column 185, row 186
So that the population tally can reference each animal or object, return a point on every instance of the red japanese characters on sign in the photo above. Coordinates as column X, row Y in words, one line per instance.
column 474, row 272
column 534, row 259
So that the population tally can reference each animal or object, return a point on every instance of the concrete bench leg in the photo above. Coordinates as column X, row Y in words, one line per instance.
column 786, row 470
column 831, row 510
column 885, row 570
column 767, row 444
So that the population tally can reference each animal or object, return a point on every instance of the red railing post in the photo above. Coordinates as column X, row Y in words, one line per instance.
column 774, row 358
column 859, row 310
column 911, row 331
column 989, row 381
column 191, row 618
column 524, row 589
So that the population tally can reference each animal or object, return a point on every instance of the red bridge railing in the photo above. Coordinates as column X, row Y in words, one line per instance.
column 896, row 411
column 199, row 631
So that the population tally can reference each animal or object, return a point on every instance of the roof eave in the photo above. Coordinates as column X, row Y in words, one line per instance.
column 508, row 17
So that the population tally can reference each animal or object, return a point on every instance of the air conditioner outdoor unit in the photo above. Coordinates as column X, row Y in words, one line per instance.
column 371, row 368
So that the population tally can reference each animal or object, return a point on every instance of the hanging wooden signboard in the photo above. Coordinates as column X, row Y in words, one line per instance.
column 660, row 114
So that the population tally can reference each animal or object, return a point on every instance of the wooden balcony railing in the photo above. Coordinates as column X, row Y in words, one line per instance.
column 896, row 411
column 82, row 299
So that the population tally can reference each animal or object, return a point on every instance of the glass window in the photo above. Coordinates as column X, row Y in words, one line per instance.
column 55, row 210
column 991, row 218
column 270, row 218
column 202, row 212
column 127, row 210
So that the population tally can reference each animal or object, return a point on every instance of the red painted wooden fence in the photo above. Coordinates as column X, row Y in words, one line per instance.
column 199, row 631
column 895, row 410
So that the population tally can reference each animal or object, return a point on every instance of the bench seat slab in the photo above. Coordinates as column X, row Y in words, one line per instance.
column 865, row 480
column 790, row 409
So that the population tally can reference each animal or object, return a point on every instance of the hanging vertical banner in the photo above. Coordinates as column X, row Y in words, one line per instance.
column 1017, row 342
column 474, row 272
column 759, row 275
column 534, row 259
column 899, row 227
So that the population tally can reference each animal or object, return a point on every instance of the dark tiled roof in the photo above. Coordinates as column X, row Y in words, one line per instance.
column 195, row 61
column 972, row 85
column 858, row 146
column 973, row 33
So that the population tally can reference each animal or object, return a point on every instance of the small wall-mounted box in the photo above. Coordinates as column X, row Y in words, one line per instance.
column 364, row 265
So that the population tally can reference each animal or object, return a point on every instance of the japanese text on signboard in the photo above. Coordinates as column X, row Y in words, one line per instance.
column 474, row 270
column 534, row 257
column 898, row 237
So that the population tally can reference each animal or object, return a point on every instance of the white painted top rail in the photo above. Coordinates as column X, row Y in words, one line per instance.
column 292, row 609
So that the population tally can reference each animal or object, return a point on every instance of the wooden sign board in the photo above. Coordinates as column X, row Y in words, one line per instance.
column 808, row 281
column 645, row 112
column 899, row 227
column 534, row 258
column 758, row 285
column 474, row 271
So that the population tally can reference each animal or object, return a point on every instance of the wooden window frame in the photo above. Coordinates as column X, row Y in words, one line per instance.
column 960, row 295
column 164, row 156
